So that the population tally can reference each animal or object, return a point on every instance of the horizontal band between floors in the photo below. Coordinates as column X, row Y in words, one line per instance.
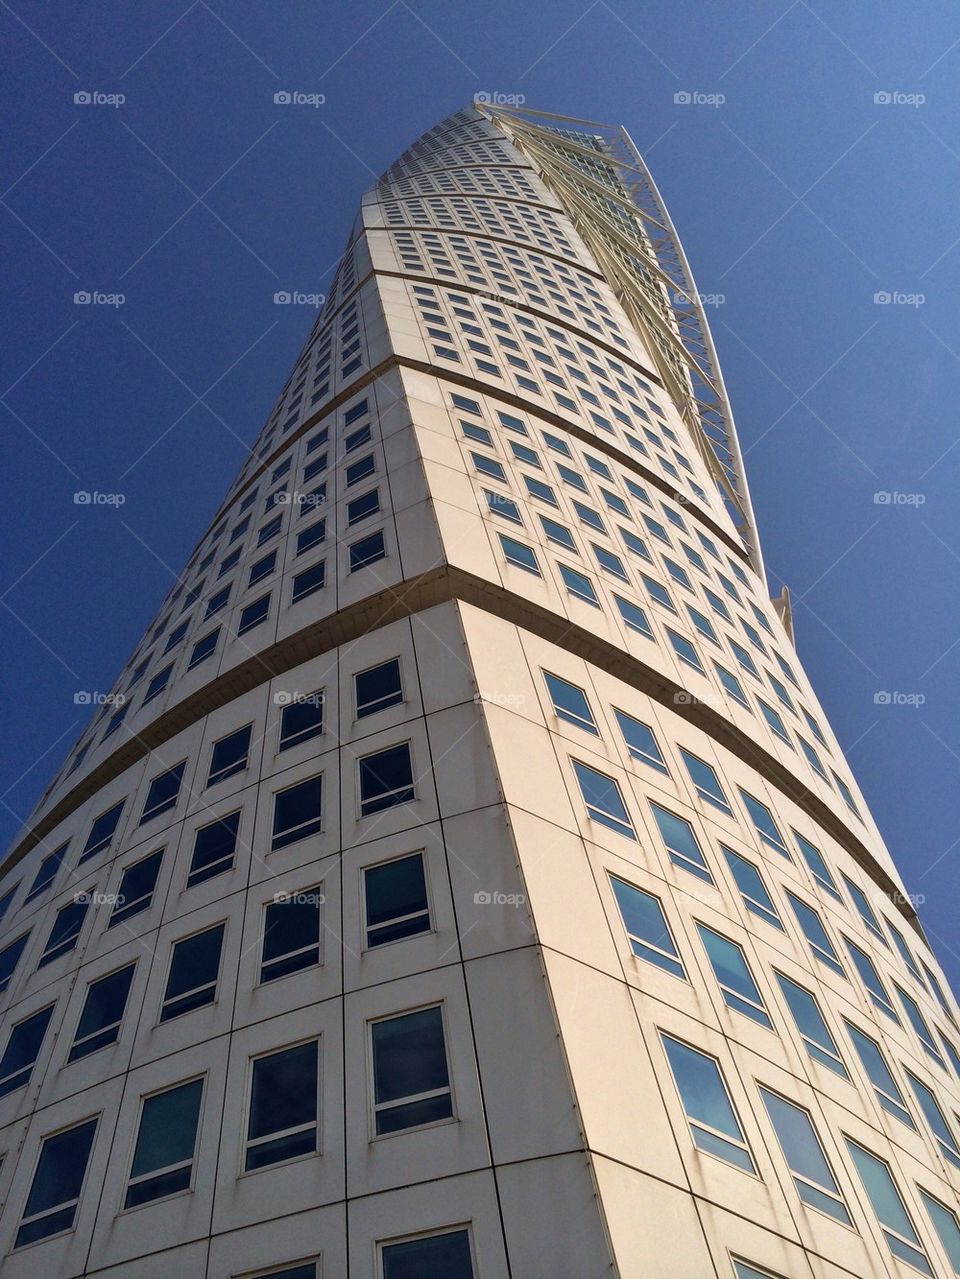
column 443, row 585
column 478, row 387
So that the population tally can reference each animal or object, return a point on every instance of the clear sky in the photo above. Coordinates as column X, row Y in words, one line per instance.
column 799, row 197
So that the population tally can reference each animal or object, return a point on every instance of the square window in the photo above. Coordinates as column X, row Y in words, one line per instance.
column 443, row 1256
column 519, row 555
column 395, row 900
column 214, row 846
column 411, row 1083
column 378, row 688
column 297, row 812
column 23, row 1048
column 103, row 1010
column 578, row 585
column 262, row 568
column 229, row 755
column 291, row 934
column 570, row 703
column 360, row 470
column 166, row 1142
column 311, row 536
column 603, row 800
column 253, row 614
column 66, row 929
column 300, row 718
column 361, row 507
column 646, row 927
column 367, row 551
column 163, row 793
column 193, row 973
column 204, row 648
column 57, row 1182
column 284, row 1106
column 386, row 779
column 310, row 580
column 137, row 884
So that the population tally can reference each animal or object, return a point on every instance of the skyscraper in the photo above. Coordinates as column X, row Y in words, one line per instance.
column 462, row 880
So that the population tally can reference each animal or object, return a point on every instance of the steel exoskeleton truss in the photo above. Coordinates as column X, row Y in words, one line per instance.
column 602, row 182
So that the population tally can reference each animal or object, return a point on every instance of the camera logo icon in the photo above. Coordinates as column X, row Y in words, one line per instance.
column 482, row 898
column 883, row 99
column 282, row 298
column 282, row 698
column 83, row 298
column 683, row 98
column 282, row 98
column 82, row 98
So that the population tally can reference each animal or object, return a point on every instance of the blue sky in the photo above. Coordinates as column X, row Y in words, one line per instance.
column 799, row 197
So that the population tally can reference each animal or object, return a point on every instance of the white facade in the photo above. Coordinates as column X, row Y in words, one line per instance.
column 558, row 943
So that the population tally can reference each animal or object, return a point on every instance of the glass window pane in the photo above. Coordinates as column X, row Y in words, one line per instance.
column 570, row 703
column 297, row 812
column 136, row 887
column 395, row 897
column 386, row 779
column 814, row 1031
column 752, row 888
column 378, row 688
column 740, row 991
column 647, row 927
column 22, row 1050
column 291, row 934
column 103, row 1010
column 166, row 1139
column 677, row 834
column 701, row 1088
column 444, row 1256
column 57, row 1183
column 946, row 1225
column 804, row 1155
column 888, row 1205
column 640, row 741
column 602, row 798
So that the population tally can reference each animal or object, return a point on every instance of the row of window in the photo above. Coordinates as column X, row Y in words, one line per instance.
column 604, row 804
column 410, row 1088
column 395, row 905
column 651, row 940
column 571, row 705
column 716, row 1130
column 385, row 779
